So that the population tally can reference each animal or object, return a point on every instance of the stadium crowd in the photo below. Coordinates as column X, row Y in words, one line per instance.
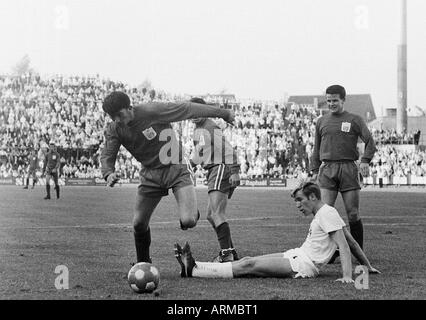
column 271, row 139
column 390, row 136
column 388, row 162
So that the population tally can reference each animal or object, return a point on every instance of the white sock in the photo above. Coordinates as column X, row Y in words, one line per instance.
column 212, row 270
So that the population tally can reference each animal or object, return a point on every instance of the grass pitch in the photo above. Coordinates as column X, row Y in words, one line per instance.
column 89, row 231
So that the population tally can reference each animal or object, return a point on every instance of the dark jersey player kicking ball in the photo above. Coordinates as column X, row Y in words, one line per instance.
column 145, row 131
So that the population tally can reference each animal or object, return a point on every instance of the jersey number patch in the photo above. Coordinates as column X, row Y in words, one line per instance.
column 346, row 126
column 149, row 133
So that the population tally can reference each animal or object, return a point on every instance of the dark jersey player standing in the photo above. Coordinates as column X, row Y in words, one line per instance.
column 335, row 154
column 145, row 131
column 51, row 167
column 216, row 155
column 32, row 167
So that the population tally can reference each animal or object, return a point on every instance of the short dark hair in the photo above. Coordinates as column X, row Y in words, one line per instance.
column 197, row 100
column 308, row 188
column 116, row 101
column 336, row 89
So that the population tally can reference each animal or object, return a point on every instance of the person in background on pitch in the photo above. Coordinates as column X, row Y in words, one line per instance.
column 216, row 155
column 335, row 154
column 326, row 234
column 51, row 167
column 32, row 167
column 145, row 131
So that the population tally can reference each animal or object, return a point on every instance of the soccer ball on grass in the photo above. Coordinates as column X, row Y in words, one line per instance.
column 143, row 277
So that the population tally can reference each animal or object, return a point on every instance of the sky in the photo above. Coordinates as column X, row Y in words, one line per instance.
column 268, row 49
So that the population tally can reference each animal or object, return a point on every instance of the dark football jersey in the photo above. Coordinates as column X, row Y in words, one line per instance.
column 150, row 137
column 33, row 162
column 51, row 161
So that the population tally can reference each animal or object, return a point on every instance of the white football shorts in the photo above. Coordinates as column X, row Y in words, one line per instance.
column 301, row 263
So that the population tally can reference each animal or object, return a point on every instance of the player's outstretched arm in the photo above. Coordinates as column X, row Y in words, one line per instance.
column 172, row 112
column 358, row 252
column 345, row 255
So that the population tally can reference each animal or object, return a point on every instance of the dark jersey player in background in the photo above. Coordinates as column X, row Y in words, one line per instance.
column 216, row 155
column 51, row 167
column 145, row 131
column 32, row 168
column 335, row 154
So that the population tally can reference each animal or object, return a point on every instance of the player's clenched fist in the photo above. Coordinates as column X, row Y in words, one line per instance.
column 365, row 169
column 231, row 117
column 112, row 179
column 234, row 180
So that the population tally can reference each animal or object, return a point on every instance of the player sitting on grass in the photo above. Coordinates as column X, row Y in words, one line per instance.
column 326, row 234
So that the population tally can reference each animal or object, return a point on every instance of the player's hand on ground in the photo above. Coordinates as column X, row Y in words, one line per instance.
column 112, row 179
column 365, row 169
column 374, row 270
column 345, row 280
column 234, row 180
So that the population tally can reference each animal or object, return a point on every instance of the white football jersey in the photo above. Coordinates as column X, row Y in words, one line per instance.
column 319, row 246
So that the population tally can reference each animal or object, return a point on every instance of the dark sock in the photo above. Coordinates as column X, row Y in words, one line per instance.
column 142, row 243
column 48, row 190
column 57, row 191
column 357, row 231
column 28, row 182
column 234, row 252
column 224, row 236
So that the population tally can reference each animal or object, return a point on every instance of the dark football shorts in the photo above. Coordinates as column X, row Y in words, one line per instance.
column 156, row 183
column 218, row 179
column 32, row 173
column 52, row 175
column 339, row 176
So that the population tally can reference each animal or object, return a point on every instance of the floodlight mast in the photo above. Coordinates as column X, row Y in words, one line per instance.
column 401, row 111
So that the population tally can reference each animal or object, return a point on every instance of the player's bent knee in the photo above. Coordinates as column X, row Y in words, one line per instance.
column 210, row 219
column 248, row 264
column 140, row 226
column 353, row 216
column 216, row 219
column 189, row 222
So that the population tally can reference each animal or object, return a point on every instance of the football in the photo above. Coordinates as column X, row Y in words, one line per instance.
column 143, row 277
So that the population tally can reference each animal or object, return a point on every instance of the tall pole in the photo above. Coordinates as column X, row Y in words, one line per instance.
column 401, row 111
